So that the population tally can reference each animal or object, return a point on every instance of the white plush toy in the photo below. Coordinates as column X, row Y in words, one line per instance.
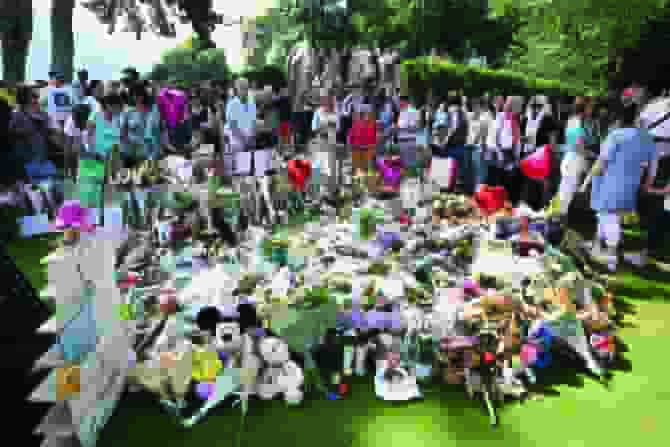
column 281, row 374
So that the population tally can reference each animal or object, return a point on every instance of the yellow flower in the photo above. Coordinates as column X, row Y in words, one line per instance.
column 206, row 365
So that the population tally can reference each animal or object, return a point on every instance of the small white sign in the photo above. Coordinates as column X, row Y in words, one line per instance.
column 666, row 203
column 438, row 171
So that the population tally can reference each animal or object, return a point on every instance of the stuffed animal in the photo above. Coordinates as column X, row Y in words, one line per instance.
column 231, row 337
column 281, row 375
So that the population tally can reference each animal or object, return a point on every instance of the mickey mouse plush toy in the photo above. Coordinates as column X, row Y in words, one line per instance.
column 262, row 359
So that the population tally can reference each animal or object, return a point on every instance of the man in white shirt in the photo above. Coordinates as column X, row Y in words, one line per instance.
column 648, row 117
column 79, row 137
column 240, row 126
column 57, row 102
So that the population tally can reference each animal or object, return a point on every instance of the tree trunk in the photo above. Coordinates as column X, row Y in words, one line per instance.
column 62, row 38
column 14, row 59
column 16, row 34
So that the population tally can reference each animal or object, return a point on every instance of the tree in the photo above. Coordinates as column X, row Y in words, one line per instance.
column 62, row 37
column 337, row 26
column 16, row 34
column 191, row 61
column 578, row 39
column 418, row 26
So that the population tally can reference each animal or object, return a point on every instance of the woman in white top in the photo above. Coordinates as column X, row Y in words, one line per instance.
column 509, row 141
column 492, row 154
column 479, row 120
column 79, row 137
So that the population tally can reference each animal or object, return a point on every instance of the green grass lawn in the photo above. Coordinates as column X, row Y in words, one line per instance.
column 575, row 411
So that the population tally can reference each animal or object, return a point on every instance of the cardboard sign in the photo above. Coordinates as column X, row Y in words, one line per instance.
column 262, row 162
column 60, row 100
column 495, row 248
column 241, row 163
column 68, row 382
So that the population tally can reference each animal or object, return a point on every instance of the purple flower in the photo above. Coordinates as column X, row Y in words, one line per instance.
column 375, row 250
column 72, row 215
column 391, row 169
column 387, row 238
column 205, row 390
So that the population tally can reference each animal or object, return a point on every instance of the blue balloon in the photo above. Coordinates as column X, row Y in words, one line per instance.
column 543, row 359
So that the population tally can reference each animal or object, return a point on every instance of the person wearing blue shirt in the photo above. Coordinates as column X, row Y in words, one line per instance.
column 241, row 117
column 617, row 179
column 107, row 127
column 240, row 126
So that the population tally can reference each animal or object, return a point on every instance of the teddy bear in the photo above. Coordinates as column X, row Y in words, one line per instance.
column 280, row 375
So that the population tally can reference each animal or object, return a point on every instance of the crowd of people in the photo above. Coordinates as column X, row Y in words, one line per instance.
column 608, row 149
column 524, row 146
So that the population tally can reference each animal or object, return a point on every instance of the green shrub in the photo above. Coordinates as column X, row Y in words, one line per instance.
column 9, row 225
column 425, row 73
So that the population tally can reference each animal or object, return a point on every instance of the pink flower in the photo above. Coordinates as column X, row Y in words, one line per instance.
column 130, row 280
column 72, row 215
column 529, row 353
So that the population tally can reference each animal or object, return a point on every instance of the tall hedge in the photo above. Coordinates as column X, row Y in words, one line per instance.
column 265, row 75
column 423, row 74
